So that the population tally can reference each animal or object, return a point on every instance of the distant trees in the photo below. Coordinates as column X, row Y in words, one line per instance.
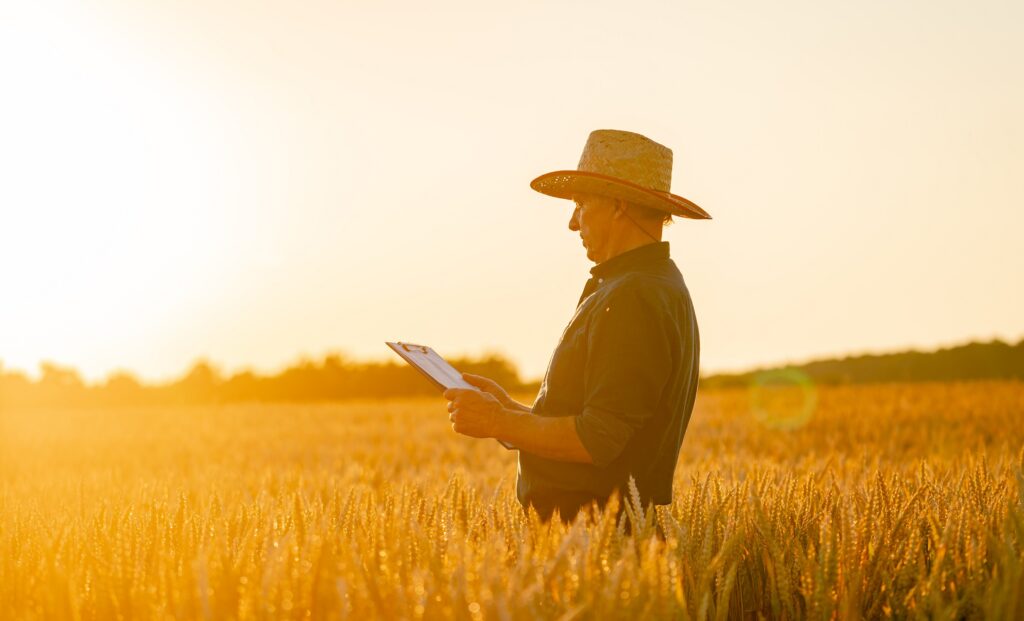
column 334, row 378
column 988, row 360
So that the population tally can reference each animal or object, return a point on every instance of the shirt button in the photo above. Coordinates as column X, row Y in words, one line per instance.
column 600, row 281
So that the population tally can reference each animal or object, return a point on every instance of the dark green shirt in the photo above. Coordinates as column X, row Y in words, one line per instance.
column 626, row 367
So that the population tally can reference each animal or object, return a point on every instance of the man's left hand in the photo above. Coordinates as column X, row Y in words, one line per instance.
column 473, row 413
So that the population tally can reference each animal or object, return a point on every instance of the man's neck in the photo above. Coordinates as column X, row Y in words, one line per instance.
column 631, row 243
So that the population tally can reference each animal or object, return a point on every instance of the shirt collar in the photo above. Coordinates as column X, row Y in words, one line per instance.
column 631, row 260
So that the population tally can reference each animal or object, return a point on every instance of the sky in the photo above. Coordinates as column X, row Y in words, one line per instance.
column 256, row 182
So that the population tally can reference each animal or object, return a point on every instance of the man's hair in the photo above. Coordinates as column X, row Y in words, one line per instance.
column 648, row 213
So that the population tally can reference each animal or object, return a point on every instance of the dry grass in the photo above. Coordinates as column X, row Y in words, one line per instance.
column 895, row 500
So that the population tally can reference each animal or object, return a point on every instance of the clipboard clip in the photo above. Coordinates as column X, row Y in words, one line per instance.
column 422, row 348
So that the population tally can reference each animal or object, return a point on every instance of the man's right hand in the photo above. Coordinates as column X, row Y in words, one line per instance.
column 492, row 388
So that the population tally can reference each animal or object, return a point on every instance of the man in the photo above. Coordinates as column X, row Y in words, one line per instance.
column 619, row 389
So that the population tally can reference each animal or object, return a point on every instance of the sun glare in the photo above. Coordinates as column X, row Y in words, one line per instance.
column 112, row 172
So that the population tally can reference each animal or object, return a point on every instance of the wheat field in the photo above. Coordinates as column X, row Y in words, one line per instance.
column 895, row 500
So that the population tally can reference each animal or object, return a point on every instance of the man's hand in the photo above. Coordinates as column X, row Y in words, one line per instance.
column 490, row 387
column 481, row 415
column 474, row 413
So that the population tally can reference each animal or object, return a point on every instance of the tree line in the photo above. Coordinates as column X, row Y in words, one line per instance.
column 333, row 378
column 973, row 361
column 337, row 378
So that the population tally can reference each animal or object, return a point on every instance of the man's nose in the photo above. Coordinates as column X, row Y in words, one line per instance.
column 574, row 222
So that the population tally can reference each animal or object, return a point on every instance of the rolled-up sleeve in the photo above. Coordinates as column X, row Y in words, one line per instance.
column 629, row 362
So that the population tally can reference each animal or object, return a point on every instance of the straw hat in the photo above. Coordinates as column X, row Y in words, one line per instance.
column 625, row 165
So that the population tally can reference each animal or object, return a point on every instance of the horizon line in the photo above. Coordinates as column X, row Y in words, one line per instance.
column 788, row 362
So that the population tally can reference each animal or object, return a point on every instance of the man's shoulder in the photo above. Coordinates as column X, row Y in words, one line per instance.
column 642, row 297
column 651, row 286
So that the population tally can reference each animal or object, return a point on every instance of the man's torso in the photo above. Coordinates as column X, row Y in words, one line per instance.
column 664, row 345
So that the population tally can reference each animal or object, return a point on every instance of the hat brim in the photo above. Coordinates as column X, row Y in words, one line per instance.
column 565, row 183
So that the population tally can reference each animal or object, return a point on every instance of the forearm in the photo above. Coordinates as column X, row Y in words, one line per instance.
column 517, row 407
column 549, row 437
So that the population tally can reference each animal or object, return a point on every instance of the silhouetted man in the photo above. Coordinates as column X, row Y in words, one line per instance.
column 620, row 387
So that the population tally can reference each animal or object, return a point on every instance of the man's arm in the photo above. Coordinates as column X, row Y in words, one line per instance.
column 552, row 437
column 481, row 415
column 517, row 407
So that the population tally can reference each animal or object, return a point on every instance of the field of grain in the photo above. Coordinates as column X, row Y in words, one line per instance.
column 880, row 501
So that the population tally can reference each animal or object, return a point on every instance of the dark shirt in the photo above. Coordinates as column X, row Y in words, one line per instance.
column 626, row 367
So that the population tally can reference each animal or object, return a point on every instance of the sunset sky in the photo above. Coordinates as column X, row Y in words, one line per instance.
column 251, row 182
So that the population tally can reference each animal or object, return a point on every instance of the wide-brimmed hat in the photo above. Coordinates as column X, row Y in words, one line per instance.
column 626, row 165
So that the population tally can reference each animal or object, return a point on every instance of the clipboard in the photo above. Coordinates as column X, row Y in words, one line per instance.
column 431, row 365
column 435, row 368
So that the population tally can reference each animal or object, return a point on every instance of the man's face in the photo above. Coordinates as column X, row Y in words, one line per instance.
column 593, row 218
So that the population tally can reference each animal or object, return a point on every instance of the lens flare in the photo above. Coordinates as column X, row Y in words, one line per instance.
column 783, row 398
